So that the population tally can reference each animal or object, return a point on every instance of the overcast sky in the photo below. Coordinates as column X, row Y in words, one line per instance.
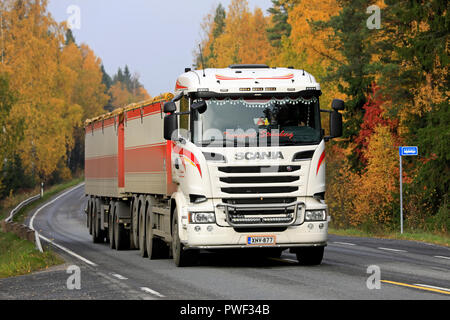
column 155, row 38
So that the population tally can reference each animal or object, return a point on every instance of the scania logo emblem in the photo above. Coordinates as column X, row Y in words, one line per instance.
column 289, row 168
column 259, row 156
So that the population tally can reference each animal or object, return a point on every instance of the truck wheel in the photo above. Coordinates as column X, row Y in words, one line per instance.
column 112, row 210
column 137, row 202
column 150, row 243
column 97, row 234
column 121, row 235
column 310, row 256
column 142, row 238
column 89, row 217
column 182, row 258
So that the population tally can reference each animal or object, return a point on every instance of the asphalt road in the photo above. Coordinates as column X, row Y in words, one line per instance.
column 408, row 270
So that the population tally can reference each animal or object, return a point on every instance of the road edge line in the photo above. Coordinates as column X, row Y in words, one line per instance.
column 39, row 236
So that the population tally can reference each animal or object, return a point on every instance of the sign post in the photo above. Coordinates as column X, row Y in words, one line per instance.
column 404, row 151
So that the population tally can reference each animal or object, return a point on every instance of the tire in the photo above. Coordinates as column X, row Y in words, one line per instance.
column 142, row 237
column 89, row 217
column 121, row 236
column 310, row 256
column 149, row 222
column 112, row 210
column 181, row 257
column 137, row 202
column 97, row 234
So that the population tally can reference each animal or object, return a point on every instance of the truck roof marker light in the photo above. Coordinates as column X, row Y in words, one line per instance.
column 202, row 90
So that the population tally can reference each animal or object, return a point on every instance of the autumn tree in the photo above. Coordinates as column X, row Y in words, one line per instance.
column 126, row 89
column 239, row 38
column 414, row 73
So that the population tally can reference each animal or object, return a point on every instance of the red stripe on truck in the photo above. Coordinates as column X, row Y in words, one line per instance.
column 145, row 159
column 101, row 167
column 322, row 158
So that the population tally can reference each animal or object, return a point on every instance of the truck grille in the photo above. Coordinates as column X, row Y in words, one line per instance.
column 271, row 179
column 255, row 196
column 250, row 190
column 261, row 211
column 259, row 169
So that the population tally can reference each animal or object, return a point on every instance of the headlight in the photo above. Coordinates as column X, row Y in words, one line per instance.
column 315, row 215
column 202, row 217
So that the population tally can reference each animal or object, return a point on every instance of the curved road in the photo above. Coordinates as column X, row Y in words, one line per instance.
column 408, row 270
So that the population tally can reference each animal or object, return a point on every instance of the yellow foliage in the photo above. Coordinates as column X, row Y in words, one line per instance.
column 379, row 183
column 57, row 85
column 244, row 39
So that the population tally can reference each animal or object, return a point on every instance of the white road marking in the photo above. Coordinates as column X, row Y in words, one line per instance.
column 345, row 243
column 389, row 249
column 39, row 236
column 69, row 251
column 118, row 276
column 156, row 293
column 432, row 287
column 442, row 257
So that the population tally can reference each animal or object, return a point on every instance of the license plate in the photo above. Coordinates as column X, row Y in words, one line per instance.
column 261, row 240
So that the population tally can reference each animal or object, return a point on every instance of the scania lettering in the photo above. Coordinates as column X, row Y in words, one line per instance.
column 235, row 158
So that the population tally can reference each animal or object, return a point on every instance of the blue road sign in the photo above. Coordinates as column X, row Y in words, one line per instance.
column 409, row 151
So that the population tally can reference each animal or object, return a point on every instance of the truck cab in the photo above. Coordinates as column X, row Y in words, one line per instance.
column 248, row 161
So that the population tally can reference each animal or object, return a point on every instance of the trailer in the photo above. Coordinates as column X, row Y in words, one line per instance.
column 235, row 159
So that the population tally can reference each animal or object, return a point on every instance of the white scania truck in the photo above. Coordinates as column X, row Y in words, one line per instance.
column 236, row 159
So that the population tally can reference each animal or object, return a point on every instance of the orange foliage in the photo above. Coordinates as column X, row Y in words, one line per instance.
column 244, row 39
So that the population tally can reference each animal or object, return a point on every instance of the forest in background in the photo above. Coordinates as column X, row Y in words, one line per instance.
column 394, row 81
column 49, row 85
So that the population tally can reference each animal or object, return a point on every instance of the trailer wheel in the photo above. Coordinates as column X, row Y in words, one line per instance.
column 142, row 238
column 150, row 243
column 112, row 210
column 89, row 216
column 181, row 257
column 137, row 203
column 98, row 235
column 121, row 235
column 310, row 256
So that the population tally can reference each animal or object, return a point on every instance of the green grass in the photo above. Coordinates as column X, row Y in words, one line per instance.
column 440, row 239
column 19, row 257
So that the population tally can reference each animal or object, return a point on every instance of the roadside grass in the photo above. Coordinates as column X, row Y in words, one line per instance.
column 439, row 239
column 20, row 257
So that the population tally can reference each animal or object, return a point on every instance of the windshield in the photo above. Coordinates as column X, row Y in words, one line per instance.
column 258, row 122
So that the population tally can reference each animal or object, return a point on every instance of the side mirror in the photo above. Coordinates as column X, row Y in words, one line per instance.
column 170, row 107
column 200, row 107
column 337, row 105
column 335, row 124
column 170, row 125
